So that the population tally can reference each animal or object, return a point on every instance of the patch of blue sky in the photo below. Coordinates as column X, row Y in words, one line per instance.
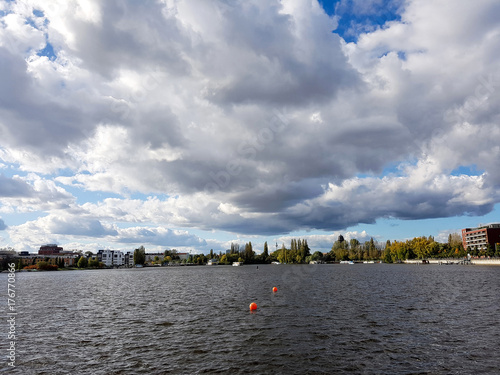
column 86, row 196
column 355, row 18
column 391, row 169
column 395, row 229
column 128, row 224
column 11, row 170
column 19, row 218
column 143, row 197
column 48, row 51
column 31, row 22
column 469, row 170
column 222, row 236
column 66, row 172
column 38, row 13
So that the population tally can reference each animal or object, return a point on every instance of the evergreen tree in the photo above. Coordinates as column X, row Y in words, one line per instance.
column 265, row 253
column 490, row 251
column 248, row 254
column 140, row 255
column 304, row 250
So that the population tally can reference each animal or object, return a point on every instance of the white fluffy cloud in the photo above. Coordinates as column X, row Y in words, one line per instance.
column 248, row 117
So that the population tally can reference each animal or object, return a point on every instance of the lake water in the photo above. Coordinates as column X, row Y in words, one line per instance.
column 324, row 319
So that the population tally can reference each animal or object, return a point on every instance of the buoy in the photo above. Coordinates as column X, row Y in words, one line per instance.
column 275, row 289
column 253, row 306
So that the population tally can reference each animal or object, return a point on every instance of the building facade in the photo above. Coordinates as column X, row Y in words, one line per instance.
column 67, row 257
column 479, row 238
column 129, row 259
column 111, row 258
column 50, row 249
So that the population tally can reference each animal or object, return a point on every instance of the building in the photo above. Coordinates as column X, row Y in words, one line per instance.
column 69, row 258
column 50, row 249
column 6, row 255
column 129, row 259
column 111, row 258
column 479, row 238
column 150, row 257
column 183, row 256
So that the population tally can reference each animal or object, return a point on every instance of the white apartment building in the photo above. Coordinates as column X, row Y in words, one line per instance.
column 111, row 258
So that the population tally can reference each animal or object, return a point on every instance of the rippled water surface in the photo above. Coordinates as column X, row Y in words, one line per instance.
column 324, row 319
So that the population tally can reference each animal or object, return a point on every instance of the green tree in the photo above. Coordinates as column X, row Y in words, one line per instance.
column 265, row 253
column 317, row 255
column 433, row 248
column 490, row 251
column 419, row 247
column 223, row 259
column 235, row 248
column 249, row 254
column 387, row 252
column 304, row 250
column 340, row 249
column 140, row 255
column 45, row 266
column 82, row 262
column 94, row 263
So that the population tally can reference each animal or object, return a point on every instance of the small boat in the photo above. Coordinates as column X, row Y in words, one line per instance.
column 237, row 264
column 346, row 262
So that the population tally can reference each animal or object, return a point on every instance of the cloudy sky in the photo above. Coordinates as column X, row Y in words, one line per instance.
column 189, row 124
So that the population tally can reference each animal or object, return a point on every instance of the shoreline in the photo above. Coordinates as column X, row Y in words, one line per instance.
column 474, row 262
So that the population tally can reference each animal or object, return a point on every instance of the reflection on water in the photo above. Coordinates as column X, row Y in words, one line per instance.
column 366, row 319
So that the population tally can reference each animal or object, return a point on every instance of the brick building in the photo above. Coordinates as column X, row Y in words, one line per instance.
column 479, row 238
column 50, row 249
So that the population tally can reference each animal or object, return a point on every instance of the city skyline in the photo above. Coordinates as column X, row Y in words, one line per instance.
column 191, row 126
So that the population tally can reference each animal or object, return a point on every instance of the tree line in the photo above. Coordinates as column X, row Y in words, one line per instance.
column 299, row 252
column 416, row 248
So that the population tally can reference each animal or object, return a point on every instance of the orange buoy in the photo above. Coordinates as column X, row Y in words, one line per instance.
column 253, row 306
column 275, row 289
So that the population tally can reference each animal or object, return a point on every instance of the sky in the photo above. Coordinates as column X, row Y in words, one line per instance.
column 194, row 124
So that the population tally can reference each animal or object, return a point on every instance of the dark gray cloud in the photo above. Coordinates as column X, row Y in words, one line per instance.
column 130, row 35
column 30, row 118
column 12, row 187
column 160, row 236
column 87, row 227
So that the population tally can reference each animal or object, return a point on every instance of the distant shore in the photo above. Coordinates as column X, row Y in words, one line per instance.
column 478, row 262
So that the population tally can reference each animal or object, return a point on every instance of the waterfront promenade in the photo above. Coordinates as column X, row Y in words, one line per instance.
column 479, row 262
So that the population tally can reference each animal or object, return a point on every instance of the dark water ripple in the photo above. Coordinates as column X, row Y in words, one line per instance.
column 361, row 319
